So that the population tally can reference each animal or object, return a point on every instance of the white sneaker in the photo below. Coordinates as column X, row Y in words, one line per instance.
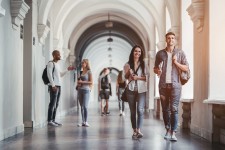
column 173, row 138
column 81, row 125
column 86, row 124
column 52, row 124
column 123, row 113
column 134, row 136
column 167, row 136
column 59, row 124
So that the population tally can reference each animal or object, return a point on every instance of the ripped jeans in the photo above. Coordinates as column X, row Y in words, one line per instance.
column 136, row 103
column 170, row 98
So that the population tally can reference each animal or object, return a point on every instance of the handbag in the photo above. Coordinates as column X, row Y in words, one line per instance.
column 124, row 94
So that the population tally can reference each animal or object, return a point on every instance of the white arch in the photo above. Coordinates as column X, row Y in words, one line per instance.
column 45, row 7
column 68, row 5
column 97, row 53
column 69, row 27
column 174, row 12
column 83, row 26
column 62, row 8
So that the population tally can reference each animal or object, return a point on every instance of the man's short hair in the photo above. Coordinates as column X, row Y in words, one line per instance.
column 54, row 52
column 170, row 33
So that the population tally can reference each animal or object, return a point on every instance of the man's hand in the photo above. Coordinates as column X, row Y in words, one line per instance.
column 70, row 68
column 158, row 71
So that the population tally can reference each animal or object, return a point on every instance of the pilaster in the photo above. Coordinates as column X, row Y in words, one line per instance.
column 43, row 31
column 152, row 54
column 2, row 10
column 161, row 45
column 66, row 53
column 56, row 43
column 18, row 11
column 176, row 30
column 196, row 12
column 72, row 59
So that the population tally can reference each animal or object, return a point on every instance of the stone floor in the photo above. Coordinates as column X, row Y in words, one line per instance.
column 110, row 132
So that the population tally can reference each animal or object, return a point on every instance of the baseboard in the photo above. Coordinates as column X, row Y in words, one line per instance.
column 206, row 134
column 11, row 131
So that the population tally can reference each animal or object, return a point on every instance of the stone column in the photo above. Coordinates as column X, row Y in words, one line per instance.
column 201, row 114
column 27, row 72
column 176, row 30
column 2, row 10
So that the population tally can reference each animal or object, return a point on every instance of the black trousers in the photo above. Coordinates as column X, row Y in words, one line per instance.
column 54, row 102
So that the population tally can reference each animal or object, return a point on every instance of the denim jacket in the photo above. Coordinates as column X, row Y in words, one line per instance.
column 161, row 59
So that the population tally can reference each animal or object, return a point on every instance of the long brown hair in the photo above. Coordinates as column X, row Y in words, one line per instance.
column 141, row 59
column 120, row 77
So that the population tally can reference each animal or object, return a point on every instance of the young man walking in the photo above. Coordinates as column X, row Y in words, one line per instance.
column 168, row 63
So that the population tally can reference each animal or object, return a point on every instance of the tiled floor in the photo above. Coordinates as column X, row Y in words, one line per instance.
column 105, row 133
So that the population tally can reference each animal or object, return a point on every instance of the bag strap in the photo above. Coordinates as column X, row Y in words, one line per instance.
column 127, row 85
column 132, row 80
column 137, row 69
column 53, row 69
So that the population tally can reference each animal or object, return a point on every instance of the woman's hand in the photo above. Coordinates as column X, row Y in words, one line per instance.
column 80, row 82
column 134, row 77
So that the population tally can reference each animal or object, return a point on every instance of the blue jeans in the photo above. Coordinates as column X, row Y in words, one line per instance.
column 84, row 95
column 54, row 102
column 121, row 103
column 170, row 98
column 136, row 103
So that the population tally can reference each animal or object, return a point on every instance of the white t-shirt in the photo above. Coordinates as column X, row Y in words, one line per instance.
column 169, row 68
column 54, row 80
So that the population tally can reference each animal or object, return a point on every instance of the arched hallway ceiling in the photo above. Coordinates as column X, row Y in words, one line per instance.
column 99, row 30
column 98, row 54
column 77, row 25
column 139, row 15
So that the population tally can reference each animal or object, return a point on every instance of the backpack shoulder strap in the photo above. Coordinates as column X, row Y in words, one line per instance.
column 53, row 68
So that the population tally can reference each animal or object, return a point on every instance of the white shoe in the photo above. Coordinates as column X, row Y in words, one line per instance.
column 59, row 124
column 52, row 124
column 123, row 113
column 167, row 136
column 86, row 124
column 139, row 135
column 81, row 125
column 173, row 138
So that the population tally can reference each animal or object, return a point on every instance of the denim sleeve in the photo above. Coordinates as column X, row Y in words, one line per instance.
column 157, row 60
column 184, row 59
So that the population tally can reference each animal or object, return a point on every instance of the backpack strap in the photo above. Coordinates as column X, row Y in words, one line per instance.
column 53, row 69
